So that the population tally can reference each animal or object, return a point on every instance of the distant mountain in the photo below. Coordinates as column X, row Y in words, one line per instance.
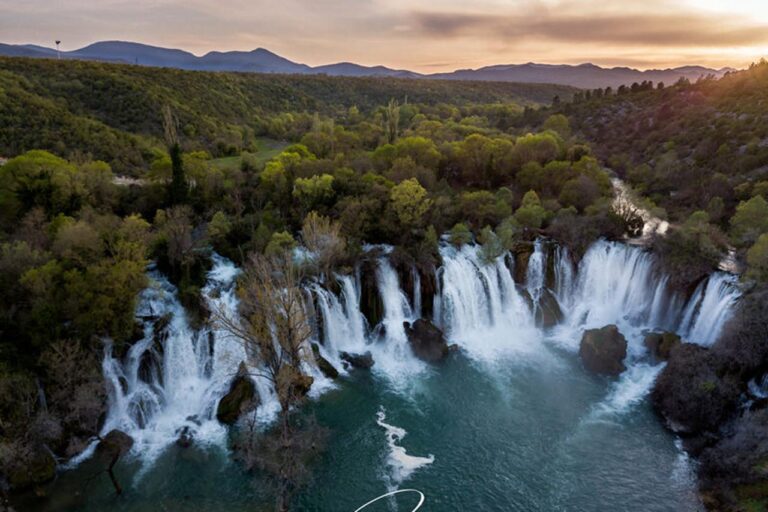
column 585, row 76
column 263, row 61
column 351, row 69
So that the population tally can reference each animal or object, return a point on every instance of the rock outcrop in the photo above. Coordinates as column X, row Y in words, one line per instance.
column 660, row 344
column 603, row 350
column 363, row 361
column 323, row 364
column 241, row 398
column 115, row 444
column 426, row 340
column 548, row 312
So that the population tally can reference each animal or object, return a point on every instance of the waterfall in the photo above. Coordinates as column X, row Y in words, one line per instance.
column 480, row 308
column 564, row 278
column 709, row 309
column 174, row 376
column 344, row 326
column 536, row 276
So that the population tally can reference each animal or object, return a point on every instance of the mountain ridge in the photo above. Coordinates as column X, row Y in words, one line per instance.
column 261, row 60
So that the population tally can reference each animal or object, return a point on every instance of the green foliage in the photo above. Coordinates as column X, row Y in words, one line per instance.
column 750, row 221
column 112, row 111
column 757, row 259
column 531, row 214
column 491, row 244
column 460, row 235
column 314, row 192
column 410, row 202
column 280, row 243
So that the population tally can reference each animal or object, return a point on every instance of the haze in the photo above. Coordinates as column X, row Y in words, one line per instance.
column 421, row 35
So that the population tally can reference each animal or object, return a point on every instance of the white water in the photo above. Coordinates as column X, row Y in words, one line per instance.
column 400, row 463
column 478, row 305
column 191, row 370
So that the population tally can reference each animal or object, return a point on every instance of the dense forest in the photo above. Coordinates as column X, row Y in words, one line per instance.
column 112, row 113
column 110, row 167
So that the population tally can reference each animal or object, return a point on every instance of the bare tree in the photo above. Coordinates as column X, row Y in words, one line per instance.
column 323, row 238
column 272, row 326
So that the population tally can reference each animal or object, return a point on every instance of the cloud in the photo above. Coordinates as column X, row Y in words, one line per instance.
column 662, row 29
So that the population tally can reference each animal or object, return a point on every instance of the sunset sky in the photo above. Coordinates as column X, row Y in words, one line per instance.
column 421, row 35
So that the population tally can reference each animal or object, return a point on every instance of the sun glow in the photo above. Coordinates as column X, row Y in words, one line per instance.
column 756, row 9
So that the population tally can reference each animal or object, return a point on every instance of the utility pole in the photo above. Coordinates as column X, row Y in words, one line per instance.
column 58, row 53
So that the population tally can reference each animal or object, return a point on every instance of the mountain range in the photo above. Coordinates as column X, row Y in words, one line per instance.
column 265, row 61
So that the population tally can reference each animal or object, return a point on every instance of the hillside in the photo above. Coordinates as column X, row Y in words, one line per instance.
column 112, row 111
column 683, row 146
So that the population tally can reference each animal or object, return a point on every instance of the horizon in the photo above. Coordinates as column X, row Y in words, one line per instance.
column 421, row 36
column 347, row 61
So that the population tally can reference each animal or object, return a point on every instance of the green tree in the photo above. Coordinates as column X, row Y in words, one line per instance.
column 757, row 259
column 177, row 192
column 410, row 202
column 314, row 192
column 460, row 235
column 281, row 242
column 749, row 221
column 531, row 214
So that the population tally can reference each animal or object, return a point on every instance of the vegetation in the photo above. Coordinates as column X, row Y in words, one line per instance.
column 254, row 167
column 687, row 148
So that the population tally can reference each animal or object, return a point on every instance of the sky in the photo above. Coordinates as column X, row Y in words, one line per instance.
column 420, row 35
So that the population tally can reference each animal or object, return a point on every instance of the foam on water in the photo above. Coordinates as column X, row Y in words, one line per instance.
column 400, row 463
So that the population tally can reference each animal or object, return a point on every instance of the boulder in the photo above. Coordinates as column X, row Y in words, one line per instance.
column 660, row 344
column 322, row 363
column 38, row 468
column 240, row 398
column 426, row 340
column 603, row 350
column 548, row 312
column 364, row 361
column 115, row 444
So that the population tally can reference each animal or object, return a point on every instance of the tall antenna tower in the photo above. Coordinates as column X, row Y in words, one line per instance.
column 58, row 53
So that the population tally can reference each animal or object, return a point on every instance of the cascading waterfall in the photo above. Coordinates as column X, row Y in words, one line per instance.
column 479, row 306
column 709, row 308
column 536, row 274
column 174, row 376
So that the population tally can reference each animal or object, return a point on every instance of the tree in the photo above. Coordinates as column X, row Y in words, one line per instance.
column 272, row 326
column 531, row 214
column 281, row 242
column 558, row 123
column 313, row 192
column 177, row 192
column 410, row 202
column 391, row 120
column 460, row 235
column 750, row 221
column 757, row 259
column 323, row 239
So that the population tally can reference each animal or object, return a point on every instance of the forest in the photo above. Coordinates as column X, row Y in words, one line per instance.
column 110, row 167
